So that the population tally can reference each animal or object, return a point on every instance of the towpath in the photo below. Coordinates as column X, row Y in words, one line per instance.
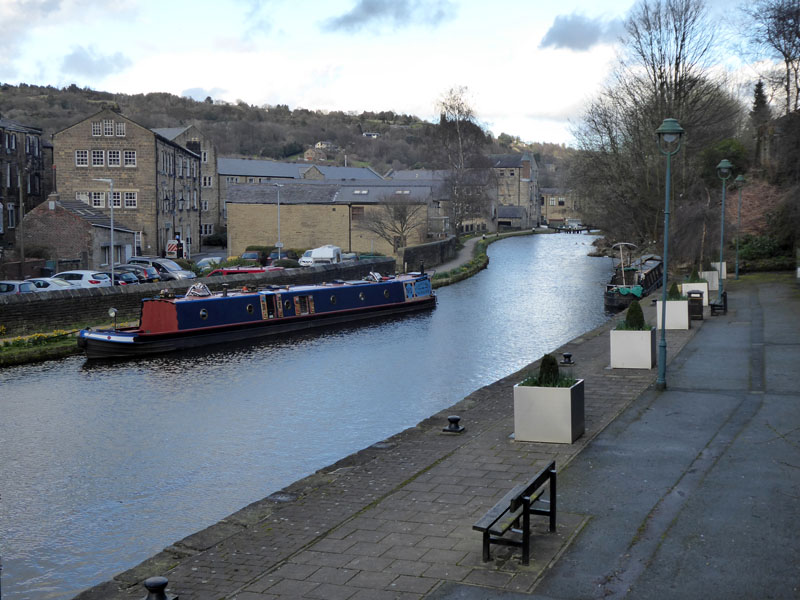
column 690, row 492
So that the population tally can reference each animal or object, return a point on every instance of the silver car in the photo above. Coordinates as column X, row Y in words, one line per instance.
column 85, row 279
column 50, row 284
column 167, row 268
column 13, row 286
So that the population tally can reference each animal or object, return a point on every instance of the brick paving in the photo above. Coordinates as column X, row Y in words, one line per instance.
column 395, row 519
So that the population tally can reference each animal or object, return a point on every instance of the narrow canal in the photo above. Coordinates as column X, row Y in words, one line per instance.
column 103, row 466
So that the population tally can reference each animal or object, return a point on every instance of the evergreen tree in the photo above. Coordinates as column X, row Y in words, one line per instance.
column 760, row 115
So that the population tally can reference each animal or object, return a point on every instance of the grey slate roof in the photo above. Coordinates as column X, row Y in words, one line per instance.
column 10, row 125
column 248, row 167
column 93, row 216
column 170, row 133
column 508, row 161
column 329, row 192
column 510, row 212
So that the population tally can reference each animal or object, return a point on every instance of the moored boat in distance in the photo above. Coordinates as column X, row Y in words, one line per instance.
column 634, row 279
column 201, row 318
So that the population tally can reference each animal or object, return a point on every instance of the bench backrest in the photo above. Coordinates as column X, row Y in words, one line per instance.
column 543, row 477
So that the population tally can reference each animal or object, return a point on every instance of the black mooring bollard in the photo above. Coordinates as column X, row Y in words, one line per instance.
column 156, row 587
column 453, row 427
column 567, row 359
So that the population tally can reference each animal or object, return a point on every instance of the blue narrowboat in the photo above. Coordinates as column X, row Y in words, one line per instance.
column 201, row 318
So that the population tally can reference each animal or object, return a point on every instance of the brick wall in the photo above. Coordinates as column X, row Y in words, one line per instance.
column 30, row 313
column 429, row 255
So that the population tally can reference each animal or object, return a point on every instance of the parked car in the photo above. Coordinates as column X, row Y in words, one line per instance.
column 85, row 279
column 124, row 277
column 257, row 256
column 49, row 284
column 14, row 286
column 306, row 260
column 168, row 269
column 242, row 269
column 275, row 255
column 209, row 261
column 145, row 273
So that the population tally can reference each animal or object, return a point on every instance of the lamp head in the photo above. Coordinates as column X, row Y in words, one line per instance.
column 724, row 169
column 112, row 312
column 669, row 134
column 740, row 180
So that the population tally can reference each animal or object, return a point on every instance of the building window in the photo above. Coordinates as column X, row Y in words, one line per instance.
column 97, row 128
column 357, row 212
column 194, row 199
column 552, row 201
column 402, row 192
column 98, row 200
column 130, row 158
column 361, row 192
column 180, row 167
column 204, row 154
column 117, row 199
column 114, row 159
column 108, row 127
column 206, row 229
column 511, row 172
column 251, row 180
column 208, row 181
column 82, row 197
column 81, row 158
column 98, row 158
column 120, row 128
column 205, row 205
column 12, row 215
column 130, row 200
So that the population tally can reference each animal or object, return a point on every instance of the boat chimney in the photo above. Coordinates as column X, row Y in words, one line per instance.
column 224, row 290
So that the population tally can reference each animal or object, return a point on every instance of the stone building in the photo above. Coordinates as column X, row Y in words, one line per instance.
column 517, row 177
column 25, row 163
column 74, row 235
column 558, row 205
column 211, row 209
column 156, row 181
column 315, row 213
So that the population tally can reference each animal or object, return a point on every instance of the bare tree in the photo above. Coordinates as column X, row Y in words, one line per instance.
column 775, row 32
column 663, row 72
column 462, row 145
column 394, row 221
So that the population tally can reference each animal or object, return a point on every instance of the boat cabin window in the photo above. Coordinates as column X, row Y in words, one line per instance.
column 304, row 304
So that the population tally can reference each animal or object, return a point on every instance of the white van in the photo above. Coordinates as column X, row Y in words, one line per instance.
column 326, row 255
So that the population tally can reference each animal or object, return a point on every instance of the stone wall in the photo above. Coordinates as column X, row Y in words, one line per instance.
column 24, row 314
column 429, row 255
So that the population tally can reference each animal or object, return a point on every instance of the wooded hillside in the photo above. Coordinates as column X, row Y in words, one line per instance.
column 273, row 132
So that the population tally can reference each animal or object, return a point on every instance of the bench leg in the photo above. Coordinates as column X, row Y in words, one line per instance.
column 526, row 534
column 486, row 556
column 552, row 500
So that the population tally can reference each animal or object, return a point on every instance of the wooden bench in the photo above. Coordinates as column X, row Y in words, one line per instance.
column 518, row 505
column 721, row 306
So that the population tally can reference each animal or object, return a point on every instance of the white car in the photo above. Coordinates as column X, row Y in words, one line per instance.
column 85, row 279
column 50, row 284
column 306, row 260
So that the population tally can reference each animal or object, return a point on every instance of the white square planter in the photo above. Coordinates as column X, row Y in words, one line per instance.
column 696, row 287
column 677, row 316
column 723, row 270
column 549, row 414
column 712, row 277
column 633, row 349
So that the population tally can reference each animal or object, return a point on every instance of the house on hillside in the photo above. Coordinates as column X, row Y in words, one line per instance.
column 314, row 213
column 156, row 181
column 210, row 216
column 25, row 165
column 76, row 236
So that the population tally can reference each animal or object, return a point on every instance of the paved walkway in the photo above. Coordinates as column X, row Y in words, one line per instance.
column 637, row 508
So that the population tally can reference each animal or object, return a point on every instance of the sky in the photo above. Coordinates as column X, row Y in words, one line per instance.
column 530, row 66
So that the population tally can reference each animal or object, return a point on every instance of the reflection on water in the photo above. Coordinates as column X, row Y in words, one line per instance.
column 104, row 465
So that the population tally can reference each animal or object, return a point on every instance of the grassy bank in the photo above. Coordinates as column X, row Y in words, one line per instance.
column 479, row 261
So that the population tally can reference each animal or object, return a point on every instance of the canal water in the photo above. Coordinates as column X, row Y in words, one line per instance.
column 103, row 466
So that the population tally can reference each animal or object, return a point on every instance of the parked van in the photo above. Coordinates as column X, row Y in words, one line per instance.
column 326, row 255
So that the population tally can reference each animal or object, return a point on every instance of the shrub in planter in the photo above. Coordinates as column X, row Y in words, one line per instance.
column 633, row 342
column 677, row 316
column 548, row 406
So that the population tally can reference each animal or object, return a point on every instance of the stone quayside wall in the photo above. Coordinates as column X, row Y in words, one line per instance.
column 23, row 314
